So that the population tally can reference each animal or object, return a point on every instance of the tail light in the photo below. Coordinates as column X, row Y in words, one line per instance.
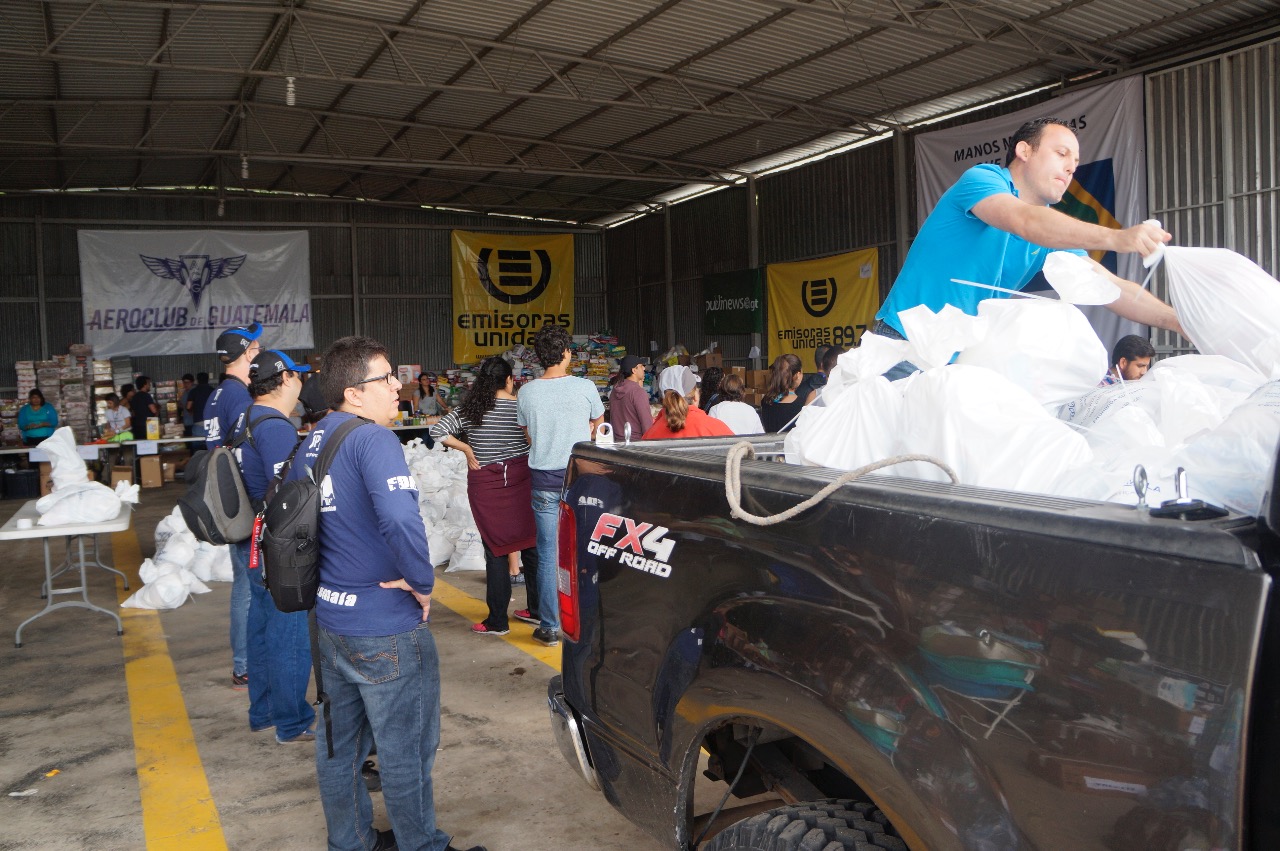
column 567, row 573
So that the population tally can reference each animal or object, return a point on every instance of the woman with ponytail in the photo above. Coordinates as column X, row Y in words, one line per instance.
column 781, row 404
column 681, row 416
column 499, row 486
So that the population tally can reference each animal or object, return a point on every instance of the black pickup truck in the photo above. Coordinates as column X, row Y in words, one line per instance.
column 910, row 664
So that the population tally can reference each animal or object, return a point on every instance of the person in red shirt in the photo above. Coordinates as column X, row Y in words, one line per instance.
column 681, row 416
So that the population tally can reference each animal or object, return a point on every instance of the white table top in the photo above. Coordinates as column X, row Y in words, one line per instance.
column 10, row 531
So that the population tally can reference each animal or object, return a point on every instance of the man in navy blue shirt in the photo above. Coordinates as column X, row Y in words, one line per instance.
column 237, row 347
column 377, row 656
column 278, row 643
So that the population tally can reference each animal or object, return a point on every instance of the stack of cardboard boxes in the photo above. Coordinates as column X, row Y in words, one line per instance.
column 756, row 382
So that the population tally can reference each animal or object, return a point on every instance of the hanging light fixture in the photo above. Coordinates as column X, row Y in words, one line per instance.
column 244, row 166
column 290, row 92
column 222, row 208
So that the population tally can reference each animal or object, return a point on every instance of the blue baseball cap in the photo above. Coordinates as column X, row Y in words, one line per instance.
column 271, row 362
column 234, row 342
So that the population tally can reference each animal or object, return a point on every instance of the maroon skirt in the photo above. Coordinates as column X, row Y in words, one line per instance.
column 501, row 500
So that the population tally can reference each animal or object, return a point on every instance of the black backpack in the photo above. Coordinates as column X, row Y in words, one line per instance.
column 289, row 542
column 216, row 506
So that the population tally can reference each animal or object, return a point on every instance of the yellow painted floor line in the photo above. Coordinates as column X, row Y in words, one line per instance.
column 475, row 610
column 177, row 807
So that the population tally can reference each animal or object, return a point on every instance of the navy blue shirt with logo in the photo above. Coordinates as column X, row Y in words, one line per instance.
column 371, row 531
column 261, row 458
column 223, row 410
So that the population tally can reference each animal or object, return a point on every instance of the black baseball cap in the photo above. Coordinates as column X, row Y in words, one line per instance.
column 270, row 363
column 234, row 342
column 627, row 364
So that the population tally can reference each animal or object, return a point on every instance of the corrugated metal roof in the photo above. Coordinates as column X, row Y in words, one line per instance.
column 563, row 109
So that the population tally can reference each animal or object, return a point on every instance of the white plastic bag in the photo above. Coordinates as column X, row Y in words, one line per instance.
column 1077, row 281
column 468, row 553
column 1226, row 304
column 66, row 466
column 860, row 427
column 989, row 430
column 1047, row 348
column 1231, row 464
column 82, row 502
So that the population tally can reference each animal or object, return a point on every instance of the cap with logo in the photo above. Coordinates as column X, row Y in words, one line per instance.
column 270, row 363
column 678, row 378
column 234, row 342
column 627, row 364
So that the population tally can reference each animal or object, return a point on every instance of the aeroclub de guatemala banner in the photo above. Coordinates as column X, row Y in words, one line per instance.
column 172, row 292
column 505, row 288
column 1110, row 185
column 829, row 301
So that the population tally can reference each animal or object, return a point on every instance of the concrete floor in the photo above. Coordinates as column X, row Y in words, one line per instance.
column 499, row 778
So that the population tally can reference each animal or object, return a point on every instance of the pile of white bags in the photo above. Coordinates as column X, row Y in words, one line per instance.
column 181, row 567
column 75, row 499
column 1019, row 407
column 441, row 475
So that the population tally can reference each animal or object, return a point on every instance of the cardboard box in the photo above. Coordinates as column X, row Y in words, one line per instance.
column 740, row 371
column 707, row 361
column 149, row 466
column 46, row 478
column 168, row 471
column 121, row 474
column 758, row 379
column 153, row 428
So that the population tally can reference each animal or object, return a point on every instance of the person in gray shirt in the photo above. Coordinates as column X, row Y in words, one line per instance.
column 559, row 410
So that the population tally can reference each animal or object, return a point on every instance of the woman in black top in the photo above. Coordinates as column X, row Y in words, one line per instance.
column 499, row 487
column 781, row 404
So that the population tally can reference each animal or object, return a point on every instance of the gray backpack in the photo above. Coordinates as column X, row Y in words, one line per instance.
column 216, row 506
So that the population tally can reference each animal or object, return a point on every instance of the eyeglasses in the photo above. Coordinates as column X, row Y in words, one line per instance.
column 387, row 377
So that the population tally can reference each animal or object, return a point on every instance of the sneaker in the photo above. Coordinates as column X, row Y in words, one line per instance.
column 453, row 847
column 526, row 616
column 549, row 637
column 517, row 579
column 262, row 729
column 481, row 629
column 239, row 682
column 372, row 778
column 386, row 841
column 300, row 739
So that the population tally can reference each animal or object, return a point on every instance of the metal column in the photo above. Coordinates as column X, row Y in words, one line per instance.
column 41, row 306
column 901, row 196
column 670, row 285
column 753, row 252
column 355, row 275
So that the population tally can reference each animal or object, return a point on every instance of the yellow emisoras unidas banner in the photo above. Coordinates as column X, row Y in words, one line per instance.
column 830, row 301
column 505, row 288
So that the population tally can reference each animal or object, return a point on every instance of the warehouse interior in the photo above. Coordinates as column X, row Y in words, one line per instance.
column 672, row 138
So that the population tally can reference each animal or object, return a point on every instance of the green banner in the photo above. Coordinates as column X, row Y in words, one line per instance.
column 733, row 302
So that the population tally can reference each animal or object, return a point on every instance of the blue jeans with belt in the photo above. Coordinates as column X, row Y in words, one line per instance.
column 240, row 596
column 279, row 665
column 386, row 688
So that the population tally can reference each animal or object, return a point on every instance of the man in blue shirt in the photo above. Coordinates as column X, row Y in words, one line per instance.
column 996, row 226
column 377, row 656
column 237, row 347
column 279, row 646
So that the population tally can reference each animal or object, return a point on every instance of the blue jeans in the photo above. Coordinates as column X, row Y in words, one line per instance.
column 546, row 517
column 240, row 608
column 385, row 688
column 279, row 665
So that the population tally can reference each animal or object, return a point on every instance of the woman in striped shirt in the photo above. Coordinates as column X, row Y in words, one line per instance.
column 484, row 428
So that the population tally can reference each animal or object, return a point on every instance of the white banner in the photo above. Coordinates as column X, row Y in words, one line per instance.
column 1110, row 186
column 172, row 292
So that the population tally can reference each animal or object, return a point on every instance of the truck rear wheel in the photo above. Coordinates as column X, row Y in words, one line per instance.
column 830, row 825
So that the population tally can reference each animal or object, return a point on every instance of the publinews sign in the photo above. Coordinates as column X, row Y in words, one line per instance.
column 829, row 301
column 505, row 288
column 733, row 302
column 173, row 292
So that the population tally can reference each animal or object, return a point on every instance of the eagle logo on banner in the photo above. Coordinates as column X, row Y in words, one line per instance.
column 194, row 271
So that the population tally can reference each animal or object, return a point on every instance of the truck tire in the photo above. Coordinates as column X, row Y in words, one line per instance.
column 830, row 825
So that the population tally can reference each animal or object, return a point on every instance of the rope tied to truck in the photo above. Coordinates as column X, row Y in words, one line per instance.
column 745, row 451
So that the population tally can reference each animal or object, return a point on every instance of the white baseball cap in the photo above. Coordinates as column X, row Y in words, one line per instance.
column 678, row 378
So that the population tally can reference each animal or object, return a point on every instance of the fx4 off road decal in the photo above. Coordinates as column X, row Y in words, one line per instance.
column 635, row 544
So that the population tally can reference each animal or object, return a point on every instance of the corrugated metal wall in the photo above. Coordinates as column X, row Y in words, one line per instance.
column 401, row 259
column 1213, row 157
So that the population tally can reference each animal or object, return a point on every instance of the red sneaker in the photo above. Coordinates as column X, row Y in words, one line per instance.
column 481, row 629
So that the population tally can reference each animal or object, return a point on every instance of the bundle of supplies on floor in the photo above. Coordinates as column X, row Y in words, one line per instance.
column 75, row 499
column 181, row 567
column 1010, row 398
column 452, row 535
